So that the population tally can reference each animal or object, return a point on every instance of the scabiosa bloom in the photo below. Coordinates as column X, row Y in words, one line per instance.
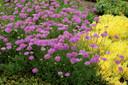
column 34, row 70
column 7, row 30
column 93, row 45
column 92, row 60
column 121, row 56
column 69, row 55
column 3, row 48
column 96, row 56
column 104, row 59
column 104, row 34
column 60, row 73
column 108, row 52
column 9, row 47
column 120, row 69
column 74, row 54
column 51, row 51
column 96, row 35
column 26, row 53
column 47, row 56
column 31, row 57
column 67, row 74
column 115, row 36
column 117, row 61
column 94, row 9
column 96, row 19
column 57, row 58
column 87, row 63
column 87, row 37
column 73, row 48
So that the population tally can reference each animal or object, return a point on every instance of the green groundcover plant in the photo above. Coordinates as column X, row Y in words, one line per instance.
column 37, row 36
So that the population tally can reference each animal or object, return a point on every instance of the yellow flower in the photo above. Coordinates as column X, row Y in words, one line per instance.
column 0, row 4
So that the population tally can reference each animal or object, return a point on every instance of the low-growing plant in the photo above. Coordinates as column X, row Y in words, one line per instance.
column 38, row 36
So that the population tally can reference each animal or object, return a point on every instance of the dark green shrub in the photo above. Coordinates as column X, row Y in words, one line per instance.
column 114, row 7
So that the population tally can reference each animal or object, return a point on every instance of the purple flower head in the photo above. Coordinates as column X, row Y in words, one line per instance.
column 104, row 59
column 26, row 53
column 66, row 47
column 7, row 30
column 87, row 63
column 87, row 37
column 120, row 69
column 10, row 25
column 94, row 9
column 108, row 52
column 51, row 51
column 93, row 25
column 117, row 61
column 31, row 57
column 93, row 45
column 3, row 48
column 74, row 54
column 95, row 35
column 121, row 56
column 85, row 54
column 57, row 58
column 73, row 60
column 86, row 9
column 96, row 19
column 34, row 70
column 73, row 48
column 92, row 60
column 60, row 73
column 8, row 44
column 69, row 55
column 96, row 56
column 9, row 47
column 104, row 34
column 115, row 36
column 47, row 56
column 67, row 74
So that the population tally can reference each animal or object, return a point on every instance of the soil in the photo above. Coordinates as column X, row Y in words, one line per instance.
column 88, row 4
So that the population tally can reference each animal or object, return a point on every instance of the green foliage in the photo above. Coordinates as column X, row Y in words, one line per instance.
column 114, row 7
column 21, row 79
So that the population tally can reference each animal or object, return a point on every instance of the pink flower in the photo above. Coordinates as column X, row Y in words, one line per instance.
column 73, row 48
column 95, row 9
column 51, row 51
column 108, row 52
column 34, row 70
column 31, row 57
column 60, row 73
column 69, row 55
column 104, row 34
column 47, row 56
column 96, row 19
column 121, row 56
column 67, row 74
column 57, row 58
column 7, row 30
column 120, row 68
column 93, row 45
column 117, row 61
column 87, row 37
column 104, row 59
column 115, row 36
column 87, row 63
column 74, row 54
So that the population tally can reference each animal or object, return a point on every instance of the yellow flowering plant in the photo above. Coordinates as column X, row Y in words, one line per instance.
column 116, row 42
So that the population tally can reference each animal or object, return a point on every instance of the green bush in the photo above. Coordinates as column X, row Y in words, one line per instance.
column 114, row 7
